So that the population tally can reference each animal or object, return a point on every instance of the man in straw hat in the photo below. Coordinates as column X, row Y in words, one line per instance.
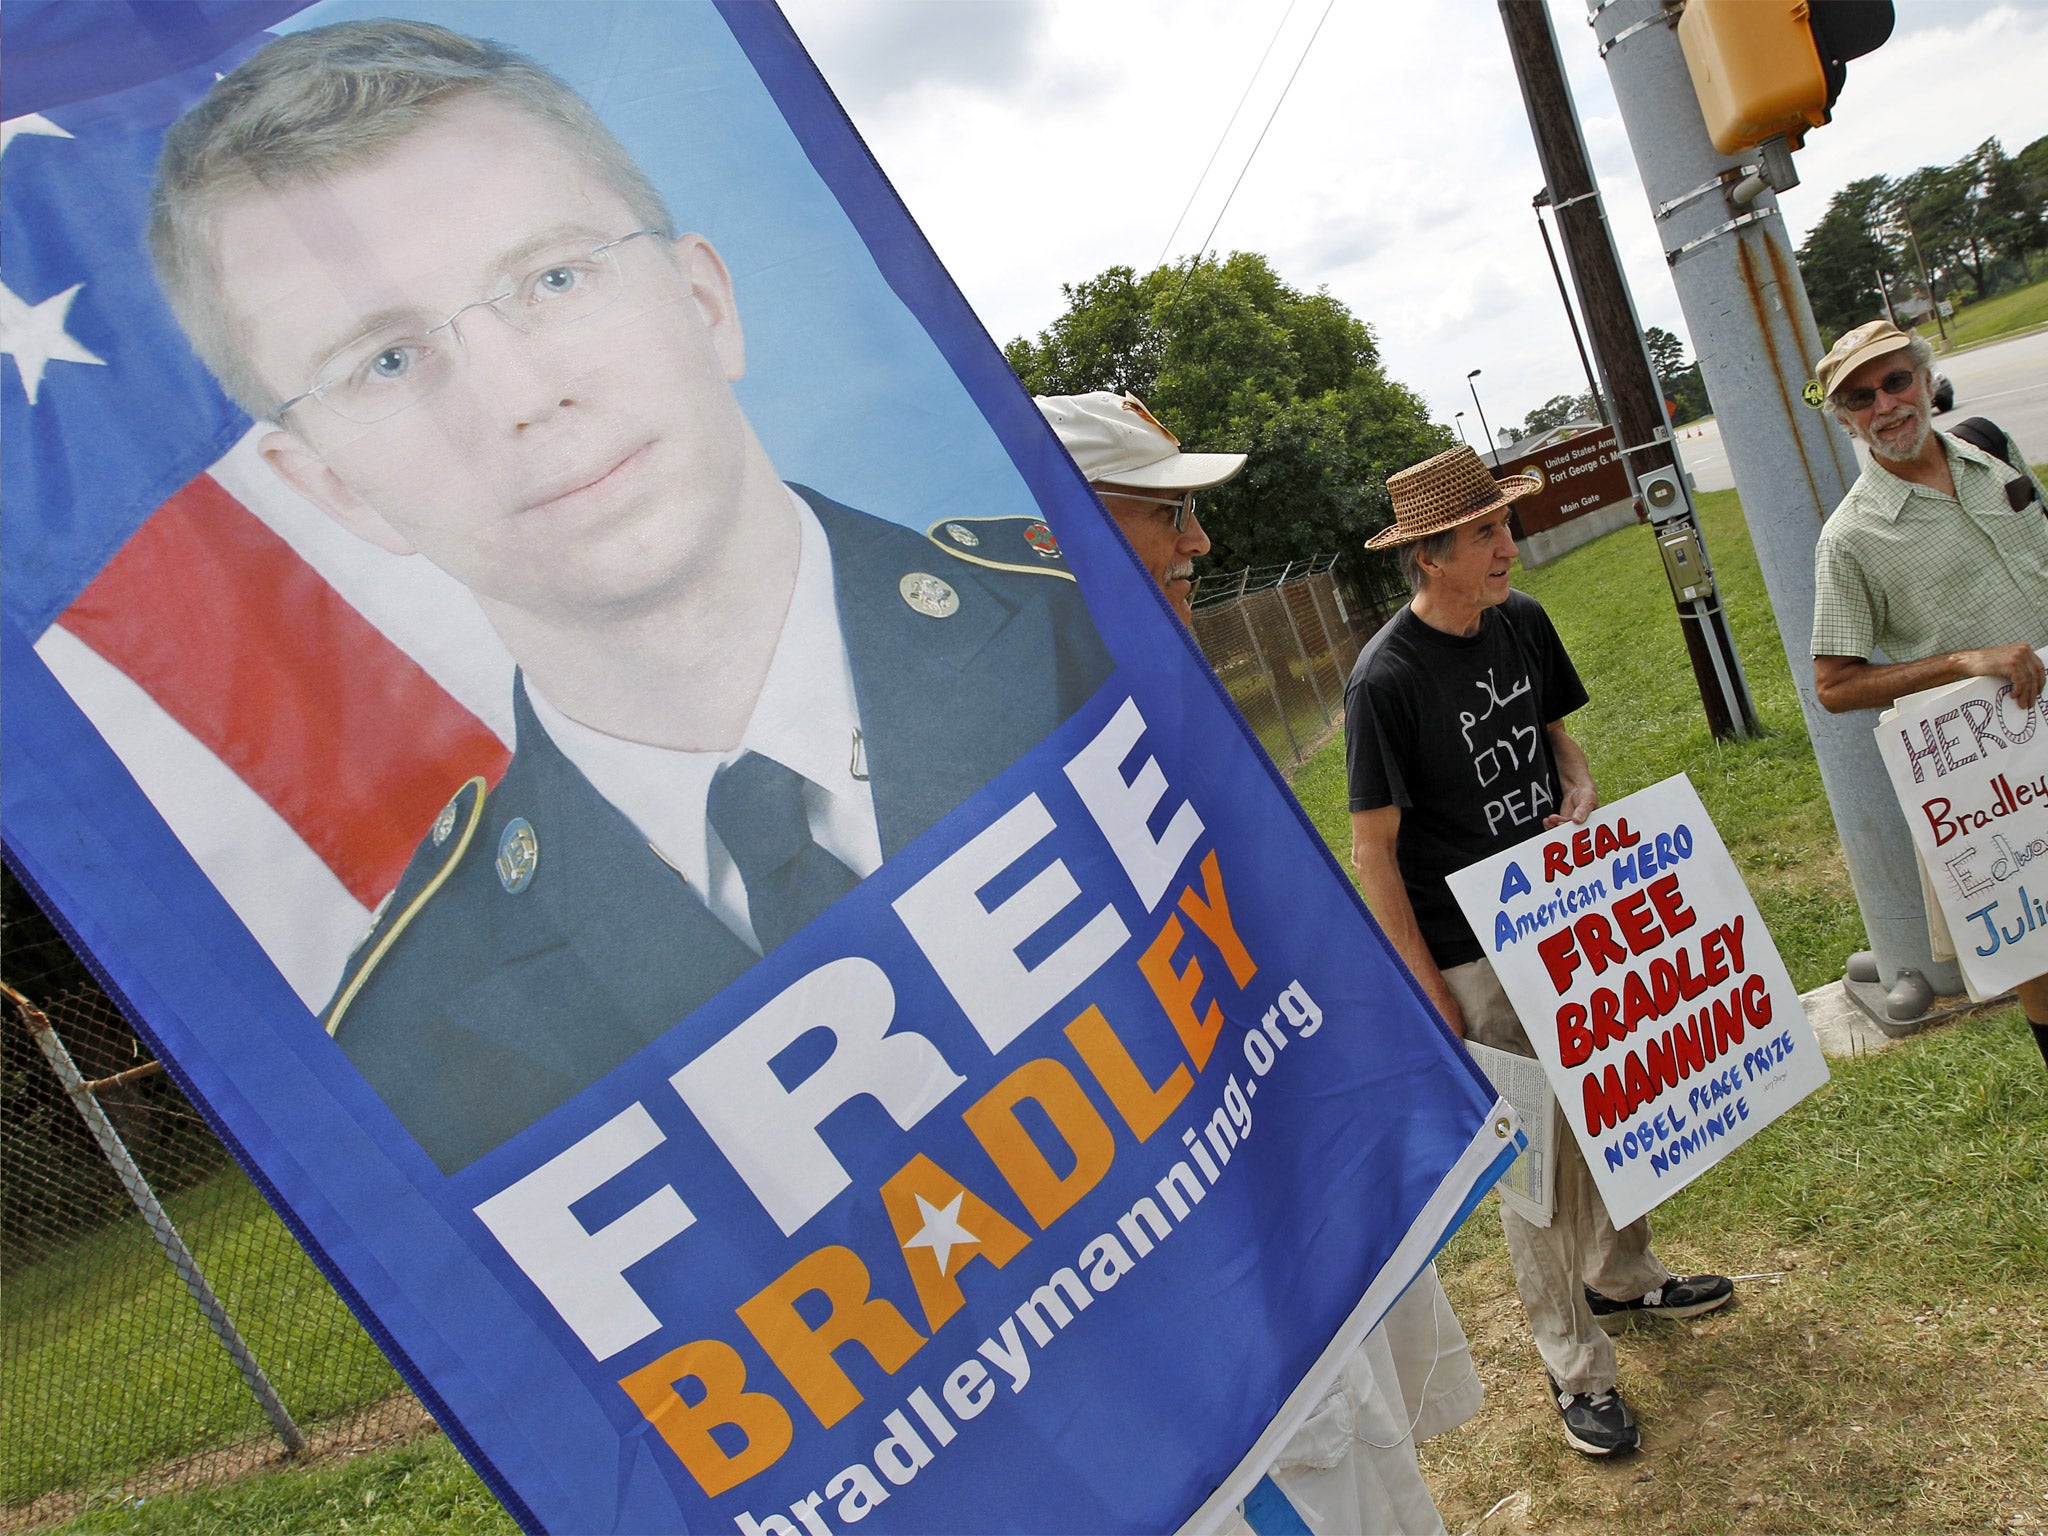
column 1938, row 556
column 1351, row 1467
column 1456, row 749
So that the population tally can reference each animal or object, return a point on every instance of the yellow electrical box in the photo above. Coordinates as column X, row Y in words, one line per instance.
column 1756, row 68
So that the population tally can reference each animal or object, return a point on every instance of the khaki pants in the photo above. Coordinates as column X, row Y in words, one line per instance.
column 1580, row 1246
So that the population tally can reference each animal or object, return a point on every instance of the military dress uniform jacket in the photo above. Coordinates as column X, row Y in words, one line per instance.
column 514, row 966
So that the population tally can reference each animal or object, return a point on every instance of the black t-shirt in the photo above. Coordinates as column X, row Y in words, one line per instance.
column 1451, row 729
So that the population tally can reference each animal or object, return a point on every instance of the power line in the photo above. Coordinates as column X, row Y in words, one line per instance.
column 1269, row 123
column 1221, row 138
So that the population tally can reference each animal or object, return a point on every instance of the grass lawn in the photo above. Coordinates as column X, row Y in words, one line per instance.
column 413, row 1490
column 2017, row 309
column 1891, row 1373
column 115, row 1325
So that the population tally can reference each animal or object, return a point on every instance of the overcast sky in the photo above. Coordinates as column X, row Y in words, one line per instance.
column 1040, row 141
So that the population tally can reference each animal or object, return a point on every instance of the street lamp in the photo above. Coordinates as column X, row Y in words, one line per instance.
column 1458, row 421
column 1483, row 427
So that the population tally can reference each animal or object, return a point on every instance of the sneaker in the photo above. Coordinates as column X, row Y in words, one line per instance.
column 1596, row 1423
column 1680, row 1296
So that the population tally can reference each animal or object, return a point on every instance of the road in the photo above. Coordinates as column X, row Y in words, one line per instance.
column 2006, row 381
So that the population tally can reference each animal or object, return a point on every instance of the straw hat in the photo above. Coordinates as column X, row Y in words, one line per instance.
column 1445, row 492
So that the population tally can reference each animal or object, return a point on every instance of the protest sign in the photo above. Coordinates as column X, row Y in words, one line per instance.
column 1970, row 768
column 583, row 713
column 1649, row 988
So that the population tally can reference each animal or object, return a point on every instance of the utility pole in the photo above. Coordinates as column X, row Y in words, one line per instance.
column 1642, row 431
column 1926, row 282
column 1753, row 328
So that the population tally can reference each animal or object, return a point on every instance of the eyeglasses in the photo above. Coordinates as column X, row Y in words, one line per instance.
column 393, row 369
column 1183, row 505
column 1894, row 383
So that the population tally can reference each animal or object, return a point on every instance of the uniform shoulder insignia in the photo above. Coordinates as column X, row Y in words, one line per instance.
column 436, row 859
column 1002, row 544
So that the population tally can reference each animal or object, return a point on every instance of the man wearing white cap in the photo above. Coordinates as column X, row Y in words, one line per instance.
column 1938, row 556
column 1136, row 466
column 1456, row 749
column 1351, row 1467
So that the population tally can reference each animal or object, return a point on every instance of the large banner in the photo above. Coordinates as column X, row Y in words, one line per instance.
column 569, row 693
column 1651, row 990
column 1970, row 768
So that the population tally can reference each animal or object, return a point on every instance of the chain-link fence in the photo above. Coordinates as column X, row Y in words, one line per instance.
column 159, row 1327
column 1283, row 639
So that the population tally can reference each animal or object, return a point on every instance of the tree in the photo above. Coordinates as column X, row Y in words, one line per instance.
column 1232, row 358
column 2012, row 217
column 1667, row 353
column 1679, row 381
column 1554, row 412
column 1843, row 256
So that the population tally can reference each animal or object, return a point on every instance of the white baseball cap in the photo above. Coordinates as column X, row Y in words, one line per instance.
column 1116, row 441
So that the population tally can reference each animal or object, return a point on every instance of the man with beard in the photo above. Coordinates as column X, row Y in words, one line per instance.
column 1938, row 555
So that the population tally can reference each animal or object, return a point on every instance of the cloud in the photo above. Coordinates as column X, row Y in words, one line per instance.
column 1039, row 144
column 883, row 50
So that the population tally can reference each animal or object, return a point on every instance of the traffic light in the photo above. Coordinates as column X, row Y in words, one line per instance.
column 1762, row 68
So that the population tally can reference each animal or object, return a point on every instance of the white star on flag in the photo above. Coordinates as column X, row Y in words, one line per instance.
column 34, row 335
column 942, row 1232
column 33, row 122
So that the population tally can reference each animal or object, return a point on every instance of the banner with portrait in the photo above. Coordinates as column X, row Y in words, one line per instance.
column 579, row 707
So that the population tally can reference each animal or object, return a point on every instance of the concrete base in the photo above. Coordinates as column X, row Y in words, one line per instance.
column 1539, row 548
column 1847, row 1025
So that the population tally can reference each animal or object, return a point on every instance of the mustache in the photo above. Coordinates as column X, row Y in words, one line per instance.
column 1181, row 570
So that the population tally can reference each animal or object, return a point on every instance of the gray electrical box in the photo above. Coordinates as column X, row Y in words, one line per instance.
column 1686, row 564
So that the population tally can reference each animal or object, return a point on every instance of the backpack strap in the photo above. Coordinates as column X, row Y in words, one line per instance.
column 1989, row 436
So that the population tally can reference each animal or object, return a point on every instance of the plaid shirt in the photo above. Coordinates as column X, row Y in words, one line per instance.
column 1919, row 573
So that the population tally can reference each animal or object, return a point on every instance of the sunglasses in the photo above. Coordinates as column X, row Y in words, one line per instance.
column 1183, row 505
column 1895, row 383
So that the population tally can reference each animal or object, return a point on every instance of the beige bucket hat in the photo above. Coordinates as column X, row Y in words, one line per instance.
column 1445, row 492
column 1874, row 338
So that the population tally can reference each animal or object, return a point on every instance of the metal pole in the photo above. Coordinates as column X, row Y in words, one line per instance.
column 1459, row 422
column 159, row 1221
column 1753, row 328
column 1542, row 201
column 1492, row 447
column 1272, row 683
column 1308, row 662
column 1641, row 426
column 1885, row 293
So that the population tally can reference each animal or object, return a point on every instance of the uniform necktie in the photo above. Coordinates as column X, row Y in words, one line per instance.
column 756, row 806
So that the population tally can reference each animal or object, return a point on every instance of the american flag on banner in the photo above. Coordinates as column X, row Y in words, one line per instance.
column 297, row 704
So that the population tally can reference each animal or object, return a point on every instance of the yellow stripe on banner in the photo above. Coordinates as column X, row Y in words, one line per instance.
column 412, row 908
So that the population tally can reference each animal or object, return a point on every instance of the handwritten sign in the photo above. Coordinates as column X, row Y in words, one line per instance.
column 1649, row 987
column 1970, row 768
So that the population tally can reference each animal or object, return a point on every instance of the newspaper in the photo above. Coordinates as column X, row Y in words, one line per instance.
column 1526, row 1188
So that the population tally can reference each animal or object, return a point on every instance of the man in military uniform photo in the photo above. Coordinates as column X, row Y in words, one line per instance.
column 481, row 339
